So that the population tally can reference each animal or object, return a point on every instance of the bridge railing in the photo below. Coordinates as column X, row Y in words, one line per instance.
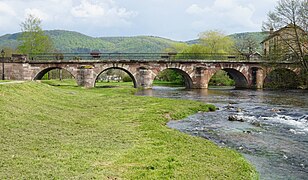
column 135, row 56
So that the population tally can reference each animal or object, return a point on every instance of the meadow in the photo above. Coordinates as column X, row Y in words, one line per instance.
column 56, row 130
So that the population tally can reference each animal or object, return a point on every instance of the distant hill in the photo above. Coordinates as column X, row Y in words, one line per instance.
column 9, row 40
column 259, row 36
column 69, row 41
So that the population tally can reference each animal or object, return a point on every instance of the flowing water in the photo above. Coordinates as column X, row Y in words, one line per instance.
column 273, row 135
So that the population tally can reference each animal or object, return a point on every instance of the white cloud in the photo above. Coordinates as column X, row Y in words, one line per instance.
column 6, row 9
column 86, row 10
column 175, row 19
column 197, row 10
column 7, row 16
column 107, row 12
column 36, row 13
column 223, row 14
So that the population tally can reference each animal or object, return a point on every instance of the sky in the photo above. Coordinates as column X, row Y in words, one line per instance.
column 174, row 19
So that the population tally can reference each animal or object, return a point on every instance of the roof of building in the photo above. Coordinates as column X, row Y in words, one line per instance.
column 275, row 33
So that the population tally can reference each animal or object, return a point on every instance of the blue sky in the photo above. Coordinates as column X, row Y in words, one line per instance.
column 173, row 19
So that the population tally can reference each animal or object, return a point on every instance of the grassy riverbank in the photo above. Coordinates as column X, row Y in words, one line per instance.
column 68, row 132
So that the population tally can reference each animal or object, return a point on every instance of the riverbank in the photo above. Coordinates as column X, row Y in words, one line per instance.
column 64, row 131
column 272, row 131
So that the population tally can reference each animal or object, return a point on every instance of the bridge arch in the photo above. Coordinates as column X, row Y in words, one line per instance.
column 239, row 78
column 282, row 78
column 188, row 82
column 39, row 75
column 120, row 68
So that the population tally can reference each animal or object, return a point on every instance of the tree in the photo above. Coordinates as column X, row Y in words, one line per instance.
column 212, row 43
column 291, row 14
column 246, row 44
column 216, row 42
column 176, row 47
column 33, row 38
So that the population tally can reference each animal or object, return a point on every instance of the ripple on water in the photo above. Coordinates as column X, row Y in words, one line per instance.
column 273, row 135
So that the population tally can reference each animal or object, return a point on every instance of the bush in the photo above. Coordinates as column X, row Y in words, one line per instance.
column 127, row 78
column 221, row 78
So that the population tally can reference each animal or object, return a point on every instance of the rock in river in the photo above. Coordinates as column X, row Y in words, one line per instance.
column 235, row 118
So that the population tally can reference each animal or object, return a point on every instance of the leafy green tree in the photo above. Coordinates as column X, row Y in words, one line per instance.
column 216, row 42
column 176, row 47
column 33, row 38
column 212, row 43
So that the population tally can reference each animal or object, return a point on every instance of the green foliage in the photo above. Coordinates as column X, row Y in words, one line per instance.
column 139, row 44
column 303, row 79
column 33, row 38
column 176, row 47
column 127, row 78
column 170, row 75
column 68, row 41
column 282, row 78
column 221, row 78
column 217, row 42
column 238, row 39
column 210, row 44
column 9, row 41
column 68, row 132
column 59, row 74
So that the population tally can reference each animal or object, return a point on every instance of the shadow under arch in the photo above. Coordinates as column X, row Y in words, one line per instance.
column 125, row 70
column 188, row 83
column 41, row 74
column 238, row 77
column 281, row 78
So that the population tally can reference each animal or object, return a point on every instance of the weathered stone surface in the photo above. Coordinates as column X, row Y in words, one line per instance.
column 196, row 73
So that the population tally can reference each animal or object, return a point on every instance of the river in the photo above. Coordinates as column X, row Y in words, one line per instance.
column 273, row 135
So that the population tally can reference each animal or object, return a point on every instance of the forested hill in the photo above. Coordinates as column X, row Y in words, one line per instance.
column 69, row 41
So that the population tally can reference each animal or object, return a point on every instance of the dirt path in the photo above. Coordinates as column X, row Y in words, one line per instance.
column 12, row 82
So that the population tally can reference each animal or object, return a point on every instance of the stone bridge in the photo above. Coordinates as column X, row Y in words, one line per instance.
column 196, row 73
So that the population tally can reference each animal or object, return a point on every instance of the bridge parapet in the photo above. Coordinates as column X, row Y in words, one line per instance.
column 140, row 56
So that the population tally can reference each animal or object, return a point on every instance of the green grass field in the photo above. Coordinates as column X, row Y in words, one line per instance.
column 67, row 132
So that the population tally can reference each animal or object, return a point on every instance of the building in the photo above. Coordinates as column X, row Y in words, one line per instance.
column 285, row 43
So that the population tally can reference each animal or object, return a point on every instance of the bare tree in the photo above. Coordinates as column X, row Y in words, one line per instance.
column 291, row 14
column 246, row 44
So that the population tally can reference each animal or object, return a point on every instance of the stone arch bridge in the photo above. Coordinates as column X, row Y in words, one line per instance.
column 247, row 73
